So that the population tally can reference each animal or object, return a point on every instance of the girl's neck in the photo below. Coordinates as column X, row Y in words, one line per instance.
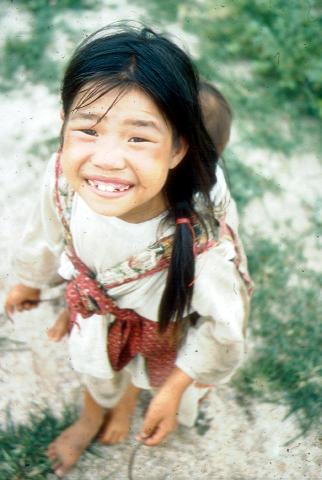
column 152, row 209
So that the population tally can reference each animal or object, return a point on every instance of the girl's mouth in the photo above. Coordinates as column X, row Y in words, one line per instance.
column 109, row 188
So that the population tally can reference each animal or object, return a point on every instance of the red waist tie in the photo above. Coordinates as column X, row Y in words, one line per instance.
column 129, row 334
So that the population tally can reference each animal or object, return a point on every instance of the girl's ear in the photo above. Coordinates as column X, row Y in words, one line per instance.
column 179, row 151
column 62, row 115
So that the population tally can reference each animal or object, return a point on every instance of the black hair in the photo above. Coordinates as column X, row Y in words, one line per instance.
column 140, row 58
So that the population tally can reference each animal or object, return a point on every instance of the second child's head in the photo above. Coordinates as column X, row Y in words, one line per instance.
column 133, row 140
column 217, row 115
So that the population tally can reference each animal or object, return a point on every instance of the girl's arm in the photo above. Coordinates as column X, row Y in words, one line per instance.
column 36, row 259
column 215, row 347
column 20, row 297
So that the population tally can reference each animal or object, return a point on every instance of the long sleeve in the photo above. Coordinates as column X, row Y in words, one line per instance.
column 36, row 260
column 214, row 348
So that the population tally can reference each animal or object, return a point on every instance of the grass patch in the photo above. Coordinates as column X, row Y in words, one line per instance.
column 316, row 222
column 23, row 447
column 244, row 183
column 281, row 41
column 287, row 305
column 27, row 59
column 266, row 58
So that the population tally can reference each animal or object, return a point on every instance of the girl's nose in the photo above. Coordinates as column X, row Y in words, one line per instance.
column 109, row 156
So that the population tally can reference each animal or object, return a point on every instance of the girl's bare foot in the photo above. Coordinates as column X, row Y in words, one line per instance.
column 60, row 327
column 117, row 421
column 116, row 426
column 65, row 451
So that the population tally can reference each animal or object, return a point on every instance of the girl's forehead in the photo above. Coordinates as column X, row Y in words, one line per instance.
column 118, row 104
column 95, row 98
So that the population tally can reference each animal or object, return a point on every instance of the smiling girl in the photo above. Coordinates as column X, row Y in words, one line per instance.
column 136, row 218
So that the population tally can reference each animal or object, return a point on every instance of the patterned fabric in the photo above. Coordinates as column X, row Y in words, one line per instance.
column 154, row 259
column 227, row 232
column 130, row 333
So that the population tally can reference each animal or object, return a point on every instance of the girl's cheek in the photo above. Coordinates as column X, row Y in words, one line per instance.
column 75, row 152
column 145, row 165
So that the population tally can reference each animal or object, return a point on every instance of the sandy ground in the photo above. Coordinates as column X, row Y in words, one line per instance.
column 240, row 444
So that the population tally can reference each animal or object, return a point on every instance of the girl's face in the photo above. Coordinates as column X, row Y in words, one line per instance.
column 119, row 164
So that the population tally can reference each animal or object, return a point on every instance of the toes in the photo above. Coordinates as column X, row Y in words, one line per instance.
column 61, row 468
column 51, row 455
column 105, row 440
column 60, row 471
column 112, row 438
column 56, row 466
column 118, row 439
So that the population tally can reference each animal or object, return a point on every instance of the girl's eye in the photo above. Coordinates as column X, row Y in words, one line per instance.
column 89, row 131
column 137, row 140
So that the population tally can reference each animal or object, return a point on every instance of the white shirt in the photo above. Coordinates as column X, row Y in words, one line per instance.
column 211, row 350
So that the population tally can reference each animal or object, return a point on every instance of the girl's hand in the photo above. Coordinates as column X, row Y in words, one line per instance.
column 21, row 297
column 161, row 417
column 60, row 327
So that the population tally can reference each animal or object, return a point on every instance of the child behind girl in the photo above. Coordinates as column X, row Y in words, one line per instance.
column 132, row 216
column 217, row 117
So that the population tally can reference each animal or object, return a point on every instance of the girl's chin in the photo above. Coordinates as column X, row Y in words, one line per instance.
column 130, row 214
column 123, row 205
column 109, row 204
column 107, row 210
column 112, row 207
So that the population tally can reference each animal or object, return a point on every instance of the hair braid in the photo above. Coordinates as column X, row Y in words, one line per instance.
column 177, row 296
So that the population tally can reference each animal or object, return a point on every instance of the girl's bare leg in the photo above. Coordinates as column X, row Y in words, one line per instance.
column 66, row 449
column 117, row 421
column 60, row 327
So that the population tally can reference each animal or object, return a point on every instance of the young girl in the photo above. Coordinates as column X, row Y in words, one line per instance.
column 133, row 216
column 217, row 117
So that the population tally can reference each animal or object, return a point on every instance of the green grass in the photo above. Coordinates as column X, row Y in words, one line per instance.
column 316, row 222
column 276, row 92
column 23, row 447
column 28, row 58
column 245, row 184
column 286, row 311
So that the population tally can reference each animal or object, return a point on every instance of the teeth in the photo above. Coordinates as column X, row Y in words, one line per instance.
column 105, row 188
column 108, row 187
